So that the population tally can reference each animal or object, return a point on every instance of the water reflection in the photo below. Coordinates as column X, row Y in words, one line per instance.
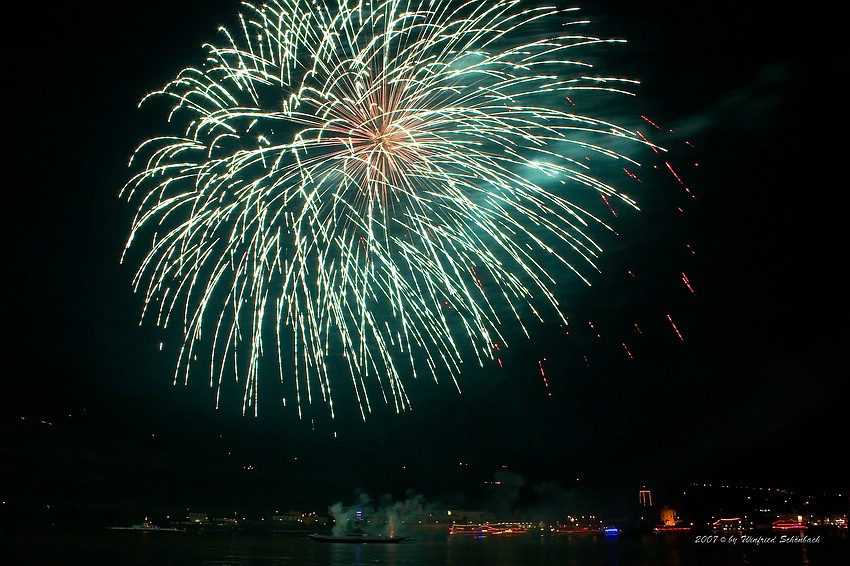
column 651, row 550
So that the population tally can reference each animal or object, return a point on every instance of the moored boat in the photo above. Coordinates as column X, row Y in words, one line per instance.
column 578, row 531
column 467, row 529
column 488, row 529
column 357, row 537
column 787, row 525
column 146, row 526
column 671, row 529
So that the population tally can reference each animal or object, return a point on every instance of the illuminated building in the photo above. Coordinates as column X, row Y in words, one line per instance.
column 668, row 517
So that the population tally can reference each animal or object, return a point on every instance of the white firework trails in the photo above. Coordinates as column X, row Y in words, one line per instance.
column 348, row 175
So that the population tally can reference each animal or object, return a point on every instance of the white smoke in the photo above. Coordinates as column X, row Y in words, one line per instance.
column 387, row 517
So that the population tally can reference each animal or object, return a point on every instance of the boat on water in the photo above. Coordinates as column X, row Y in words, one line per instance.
column 671, row 529
column 468, row 529
column 787, row 525
column 488, row 529
column 507, row 528
column 356, row 537
column 731, row 524
column 578, row 531
column 147, row 526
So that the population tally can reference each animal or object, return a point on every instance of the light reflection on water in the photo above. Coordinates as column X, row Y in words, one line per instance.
column 131, row 549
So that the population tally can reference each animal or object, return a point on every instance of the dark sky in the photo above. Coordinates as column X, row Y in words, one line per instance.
column 755, row 391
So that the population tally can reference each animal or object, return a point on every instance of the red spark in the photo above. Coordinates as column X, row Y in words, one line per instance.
column 687, row 282
column 676, row 175
column 653, row 124
column 655, row 149
column 614, row 212
column 543, row 375
column 673, row 324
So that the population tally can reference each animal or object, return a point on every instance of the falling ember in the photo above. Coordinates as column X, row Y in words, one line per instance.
column 626, row 348
column 650, row 122
column 638, row 328
column 608, row 204
column 644, row 138
column 543, row 375
column 687, row 282
column 676, row 175
column 673, row 324
column 589, row 323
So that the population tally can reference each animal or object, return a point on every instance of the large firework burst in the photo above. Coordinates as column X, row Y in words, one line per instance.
column 346, row 176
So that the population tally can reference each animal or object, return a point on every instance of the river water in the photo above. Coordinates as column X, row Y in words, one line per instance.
column 97, row 548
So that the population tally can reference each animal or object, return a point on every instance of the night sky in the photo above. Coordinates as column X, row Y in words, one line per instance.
column 754, row 392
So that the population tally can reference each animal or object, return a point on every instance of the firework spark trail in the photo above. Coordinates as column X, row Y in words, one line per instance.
column 675, row 328
column 687, row 283
column 348, row 173
column 543, row 375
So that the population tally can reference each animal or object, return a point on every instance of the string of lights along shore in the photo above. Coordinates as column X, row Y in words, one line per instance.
column 361, row 194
